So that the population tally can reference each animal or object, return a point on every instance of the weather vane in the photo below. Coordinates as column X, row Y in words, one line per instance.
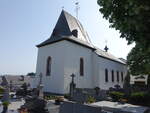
column 106, row 42
column 62, row 7
column 77, row 8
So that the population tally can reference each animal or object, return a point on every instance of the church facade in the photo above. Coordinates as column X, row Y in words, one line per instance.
column 70, row 51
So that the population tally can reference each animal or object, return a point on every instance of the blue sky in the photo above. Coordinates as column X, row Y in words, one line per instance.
column 26, row 23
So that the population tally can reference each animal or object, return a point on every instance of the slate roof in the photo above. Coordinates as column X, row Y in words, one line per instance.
column 17, row 80
column 63, row 31
column 107, row 55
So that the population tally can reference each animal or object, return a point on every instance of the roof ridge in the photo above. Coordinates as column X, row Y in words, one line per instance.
column 102, row 53
column 79, row 25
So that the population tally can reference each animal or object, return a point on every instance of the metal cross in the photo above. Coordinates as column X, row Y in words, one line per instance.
column 40, row 82
column 62, row 7
column 73, row 75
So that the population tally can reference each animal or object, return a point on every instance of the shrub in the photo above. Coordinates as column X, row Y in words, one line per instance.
column 67, row 96
column 1, row 90
column 5, row 103
column 91, row 99
column 116, row 96
column 141, row 98
column 50, row 97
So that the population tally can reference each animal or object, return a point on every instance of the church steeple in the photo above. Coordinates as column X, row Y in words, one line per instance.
column 68, row 27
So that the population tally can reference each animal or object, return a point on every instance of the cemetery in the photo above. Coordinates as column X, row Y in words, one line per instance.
column 73, row 75
column 115, row 100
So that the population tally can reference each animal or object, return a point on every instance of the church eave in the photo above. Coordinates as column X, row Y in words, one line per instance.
column 41, row 45
column 111, row 59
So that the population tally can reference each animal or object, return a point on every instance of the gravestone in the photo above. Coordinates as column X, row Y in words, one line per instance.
column 72, row 107
column 40, row 87
column 6, row 89
column 72, row 86
column 35, row 105
column 80, row 95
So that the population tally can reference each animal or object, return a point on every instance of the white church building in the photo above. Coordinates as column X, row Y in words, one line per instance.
column 70, row 51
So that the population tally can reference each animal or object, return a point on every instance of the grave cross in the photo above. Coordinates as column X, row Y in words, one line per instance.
column 40, row 87
column 40, row 82
column 73, row 75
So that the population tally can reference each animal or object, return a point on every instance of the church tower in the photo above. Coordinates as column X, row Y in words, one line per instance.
column 68, row 28
column 69, row 51
column 66, row 52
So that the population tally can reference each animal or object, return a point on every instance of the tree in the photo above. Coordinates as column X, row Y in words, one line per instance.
column 139, row 60
column 126, row 85
column 131, row 18
column 31, row 74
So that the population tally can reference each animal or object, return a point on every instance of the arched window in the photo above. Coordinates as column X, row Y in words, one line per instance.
column 106, row 75
column 112, row 75
column 81, row 66
column 117, row 76
column 122, row 76
column 48, row 66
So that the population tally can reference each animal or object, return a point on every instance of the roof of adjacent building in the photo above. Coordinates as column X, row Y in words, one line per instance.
column 16, row 79
column 65, row 28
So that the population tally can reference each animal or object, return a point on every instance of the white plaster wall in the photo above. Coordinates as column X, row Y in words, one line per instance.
column 72, row 65
column 55, row 82
column 109, row 65
column 66, row 60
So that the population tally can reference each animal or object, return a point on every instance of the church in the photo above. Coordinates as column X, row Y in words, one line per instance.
column 70, row 51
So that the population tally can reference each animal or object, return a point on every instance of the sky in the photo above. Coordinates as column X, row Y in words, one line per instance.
column 26, row 23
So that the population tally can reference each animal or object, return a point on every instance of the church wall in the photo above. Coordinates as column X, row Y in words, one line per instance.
column 66, row 60
column 109, row 65
column 55, row 82
column 95, row 74
column 72, row 65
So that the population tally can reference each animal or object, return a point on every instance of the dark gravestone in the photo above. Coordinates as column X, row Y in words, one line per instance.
column 72, row 86
column 71, row 107
column 6, row 89
column 35, row 105
column 40, row 87
column 80, row 95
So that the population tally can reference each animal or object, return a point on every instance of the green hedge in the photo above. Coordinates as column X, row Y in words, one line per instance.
column 116, row 96
column 142, row 98
column 1, row 90
column 50, row 97
column 91, row 99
